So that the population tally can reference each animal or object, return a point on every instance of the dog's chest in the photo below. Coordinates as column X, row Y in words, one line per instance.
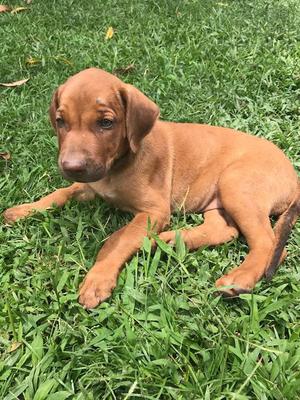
column 119, row 192
column 105, row 189
column 114, row 192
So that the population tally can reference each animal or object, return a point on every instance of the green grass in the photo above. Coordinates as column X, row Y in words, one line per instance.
column 163, row 334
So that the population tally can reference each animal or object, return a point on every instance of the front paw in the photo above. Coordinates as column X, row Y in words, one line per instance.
column 96, row 288
column 12, row 214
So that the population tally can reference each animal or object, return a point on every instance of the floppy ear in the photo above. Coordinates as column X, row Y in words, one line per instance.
column 53, row 108
column 140, row 115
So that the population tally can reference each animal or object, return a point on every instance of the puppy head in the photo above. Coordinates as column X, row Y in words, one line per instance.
column 98, row 120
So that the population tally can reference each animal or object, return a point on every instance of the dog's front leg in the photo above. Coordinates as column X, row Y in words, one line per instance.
column 120, row 246
column 59, row 197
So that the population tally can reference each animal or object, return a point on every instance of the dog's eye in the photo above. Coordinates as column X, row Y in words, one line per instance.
column 105, row 123
column 60, row 122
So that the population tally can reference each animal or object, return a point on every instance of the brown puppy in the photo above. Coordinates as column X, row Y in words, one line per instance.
column 111, row 143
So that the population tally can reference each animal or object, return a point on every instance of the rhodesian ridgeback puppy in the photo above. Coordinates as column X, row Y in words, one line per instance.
column 112, row 144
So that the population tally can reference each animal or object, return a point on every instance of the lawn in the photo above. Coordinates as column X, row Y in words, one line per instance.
column 163, row 334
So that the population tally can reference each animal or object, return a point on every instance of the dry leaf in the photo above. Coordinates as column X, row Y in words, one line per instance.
column 110, row 33
column 18, row 9
column 13, row 84
column 5, row 155
column 28, row 1
column 32, row 61
column 4, row 8
column 67, row 62
column 64, row 60
column 14, row 346
column 124, row 70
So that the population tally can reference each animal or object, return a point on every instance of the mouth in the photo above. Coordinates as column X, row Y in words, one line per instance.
column 84, row 176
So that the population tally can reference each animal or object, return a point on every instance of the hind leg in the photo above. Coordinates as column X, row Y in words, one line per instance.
column 260, row 237
column 217, row 228
column 249, row 206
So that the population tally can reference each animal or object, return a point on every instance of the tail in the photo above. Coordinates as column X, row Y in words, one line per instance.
column 282, row 230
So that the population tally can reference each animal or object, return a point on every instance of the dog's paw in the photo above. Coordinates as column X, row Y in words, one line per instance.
column 95, row 289
column 239, row 282
column 168, row 237
column 12, row 214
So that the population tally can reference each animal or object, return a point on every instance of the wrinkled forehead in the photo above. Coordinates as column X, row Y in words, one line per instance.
column 89, row 95
column 91, row 91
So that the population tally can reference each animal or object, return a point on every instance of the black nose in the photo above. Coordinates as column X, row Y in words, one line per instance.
column 74, row 165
